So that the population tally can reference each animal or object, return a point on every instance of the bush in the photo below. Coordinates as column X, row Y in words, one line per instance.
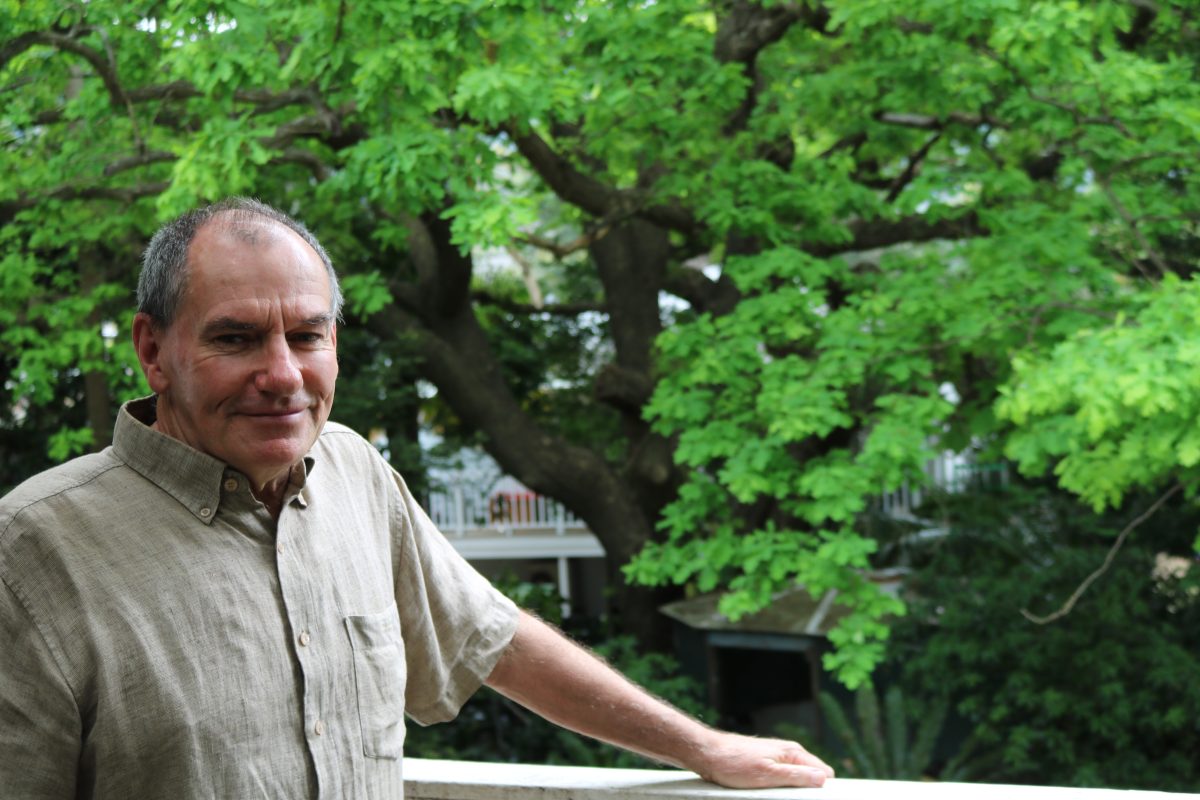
column 1107, row 695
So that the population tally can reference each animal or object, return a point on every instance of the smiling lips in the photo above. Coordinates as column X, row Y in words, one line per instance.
column 275, row 413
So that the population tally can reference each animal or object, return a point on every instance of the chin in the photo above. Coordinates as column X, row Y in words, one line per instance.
column 276, row 456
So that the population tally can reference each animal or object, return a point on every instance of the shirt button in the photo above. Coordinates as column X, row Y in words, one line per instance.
column 319, row 727
column 230, row 485
column 279, row 549
column 206, row 512
column 304, row 638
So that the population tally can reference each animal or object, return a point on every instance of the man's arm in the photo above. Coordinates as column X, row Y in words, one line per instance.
column 547, row 673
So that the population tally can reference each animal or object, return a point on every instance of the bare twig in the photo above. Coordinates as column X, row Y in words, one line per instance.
column 564, row 250
column 910, row 171
column 1131, row 223
column 531, row 283
column 1108, row 559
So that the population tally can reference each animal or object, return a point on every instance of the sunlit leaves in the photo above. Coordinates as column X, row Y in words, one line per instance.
column 1117, row 406
column 366, row 293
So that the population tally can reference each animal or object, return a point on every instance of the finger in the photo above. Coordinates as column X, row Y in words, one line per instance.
column 776, row 774
column 795, row 754
column 782, row 774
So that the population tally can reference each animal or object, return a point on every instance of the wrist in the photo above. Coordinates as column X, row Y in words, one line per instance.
column 698, row 755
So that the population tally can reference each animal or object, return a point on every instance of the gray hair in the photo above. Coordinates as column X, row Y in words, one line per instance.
column 163, row 279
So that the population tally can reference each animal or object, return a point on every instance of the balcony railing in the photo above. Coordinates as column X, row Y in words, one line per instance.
column 511, row 523
column 469, row 780
column 462, row 510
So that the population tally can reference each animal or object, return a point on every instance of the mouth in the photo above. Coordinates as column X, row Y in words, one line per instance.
column 280, row 414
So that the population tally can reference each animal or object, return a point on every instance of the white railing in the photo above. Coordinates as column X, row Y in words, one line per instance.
column 460, row 510
column 949, row 472
column 470, row 780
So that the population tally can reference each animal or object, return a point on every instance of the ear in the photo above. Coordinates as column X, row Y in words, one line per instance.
column 147, row 342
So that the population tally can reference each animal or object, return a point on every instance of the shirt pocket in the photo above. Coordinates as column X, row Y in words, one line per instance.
column 379, row 677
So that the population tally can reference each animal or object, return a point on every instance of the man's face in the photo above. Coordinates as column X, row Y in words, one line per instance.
column 246, row 370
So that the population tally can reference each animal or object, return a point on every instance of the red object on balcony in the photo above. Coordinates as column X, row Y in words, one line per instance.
column 512, row 507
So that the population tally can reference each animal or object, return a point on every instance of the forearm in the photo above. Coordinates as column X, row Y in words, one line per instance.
column 545, row 672
column 569, row 686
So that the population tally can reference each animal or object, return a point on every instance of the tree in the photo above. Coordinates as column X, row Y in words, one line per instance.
column 867, row 210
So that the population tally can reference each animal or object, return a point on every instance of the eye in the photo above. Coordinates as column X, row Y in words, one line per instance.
column 231, row 339
column 307, row 338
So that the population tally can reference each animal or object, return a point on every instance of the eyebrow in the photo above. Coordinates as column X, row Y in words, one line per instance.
column 226, row 324
column 318, row 320
column 222, row 324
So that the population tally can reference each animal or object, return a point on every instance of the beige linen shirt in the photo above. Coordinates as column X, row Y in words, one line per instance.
column 161, row 636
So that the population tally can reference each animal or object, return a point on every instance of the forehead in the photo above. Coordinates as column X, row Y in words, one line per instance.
column 253, row 261
column 246, row 232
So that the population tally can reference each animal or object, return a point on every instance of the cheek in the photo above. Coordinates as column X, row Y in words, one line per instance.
column 216, row 381
column 323, row 372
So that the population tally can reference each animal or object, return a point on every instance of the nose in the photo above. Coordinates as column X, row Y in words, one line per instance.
column 280, row 373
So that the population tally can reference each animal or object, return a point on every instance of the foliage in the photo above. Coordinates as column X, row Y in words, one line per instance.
column 838, row 377
column 1115, row 407
column 492, row 728
column 883, row 746
column 1108, row 695
column 873, row 220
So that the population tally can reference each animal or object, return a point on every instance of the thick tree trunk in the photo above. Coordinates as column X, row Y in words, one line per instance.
column 619, row 505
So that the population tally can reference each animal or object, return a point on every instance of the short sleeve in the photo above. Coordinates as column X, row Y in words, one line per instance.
column 455, row 624
column 40, row 726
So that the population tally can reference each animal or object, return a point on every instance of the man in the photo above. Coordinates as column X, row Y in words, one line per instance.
column 241, row 599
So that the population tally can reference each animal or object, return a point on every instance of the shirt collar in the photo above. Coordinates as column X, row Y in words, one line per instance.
column 193, row 478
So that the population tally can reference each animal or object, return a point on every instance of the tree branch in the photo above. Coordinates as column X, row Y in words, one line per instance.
column 1141, row 26
column 716, row 297
column 123, row 194
column 623, row 388
column 872, row 234
column 749, row 27
column 298, row 155
column 1108, row 560
column 138, row 160
column 104, row 68
column 746, row 30
column 910, row 171
column 265, row 101
column 593, row 196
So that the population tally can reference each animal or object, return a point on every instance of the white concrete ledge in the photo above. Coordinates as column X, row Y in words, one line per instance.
column 527, row 545
column 471, row 780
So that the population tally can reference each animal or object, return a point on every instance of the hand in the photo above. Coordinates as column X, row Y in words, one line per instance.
column 744, row 762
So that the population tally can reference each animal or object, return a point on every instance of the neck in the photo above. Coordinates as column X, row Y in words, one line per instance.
column 268, row 491
column 271, row 490
column 271, row 494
